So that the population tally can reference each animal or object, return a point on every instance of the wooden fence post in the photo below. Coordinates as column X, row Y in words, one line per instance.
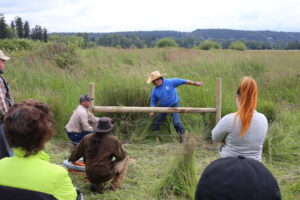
column 218, row 99
column 92, row 94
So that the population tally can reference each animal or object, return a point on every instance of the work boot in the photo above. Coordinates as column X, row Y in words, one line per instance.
column 98, row 188
column 182, row 138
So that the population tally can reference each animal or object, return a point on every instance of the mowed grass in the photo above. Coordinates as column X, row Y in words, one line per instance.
column 152, row 163
column 120, row 76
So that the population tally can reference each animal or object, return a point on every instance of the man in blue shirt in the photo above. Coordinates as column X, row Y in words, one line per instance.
column 165, row 93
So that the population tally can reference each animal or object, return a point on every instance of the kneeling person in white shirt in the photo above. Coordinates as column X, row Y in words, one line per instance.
column 82, row 120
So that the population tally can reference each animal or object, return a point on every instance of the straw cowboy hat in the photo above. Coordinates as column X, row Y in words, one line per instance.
column 3, row 57
column 154, row 75
column 104, row 125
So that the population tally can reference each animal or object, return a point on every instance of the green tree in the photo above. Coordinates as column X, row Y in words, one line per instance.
column 85, row 37
column 26, row 29
column 45, row 35
column 208, row 44
column 19, row 27
column 3, row 27
column 254, row 45
column 12, row 25
column 238, row 45
column 166, row 42
column 37, row 33
column 280, row 45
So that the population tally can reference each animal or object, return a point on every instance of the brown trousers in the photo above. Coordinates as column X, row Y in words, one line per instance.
column 120, row 172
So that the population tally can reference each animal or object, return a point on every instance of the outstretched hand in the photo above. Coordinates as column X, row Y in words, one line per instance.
column 199, row 83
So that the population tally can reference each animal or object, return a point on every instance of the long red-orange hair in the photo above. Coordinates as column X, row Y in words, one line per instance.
column 247, row 94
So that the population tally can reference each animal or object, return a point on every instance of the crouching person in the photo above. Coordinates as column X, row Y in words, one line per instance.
column 103, row 155
column 29, row 175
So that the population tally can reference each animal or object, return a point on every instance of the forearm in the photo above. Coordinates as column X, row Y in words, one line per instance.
column 196, row 83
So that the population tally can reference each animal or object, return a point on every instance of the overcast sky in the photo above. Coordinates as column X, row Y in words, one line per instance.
column 134, row 15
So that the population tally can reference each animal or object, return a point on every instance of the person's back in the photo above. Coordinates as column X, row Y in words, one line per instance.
column 100, row 164
column 35, row 173
column 103, row 155
column 28, row 127
column 243, row 133
column 250, row 145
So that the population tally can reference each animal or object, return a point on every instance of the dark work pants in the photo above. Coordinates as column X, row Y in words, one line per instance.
column 77, row 137
column 175, row 118
column 5, row 151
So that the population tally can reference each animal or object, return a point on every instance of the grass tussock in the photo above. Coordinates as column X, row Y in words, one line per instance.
column 180, row 180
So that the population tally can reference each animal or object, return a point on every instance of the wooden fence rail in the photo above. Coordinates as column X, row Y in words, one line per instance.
column 122, row 109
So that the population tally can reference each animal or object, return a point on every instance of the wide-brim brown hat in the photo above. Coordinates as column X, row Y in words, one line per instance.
column 104, row 125
column 154, row 75
column 3, row 57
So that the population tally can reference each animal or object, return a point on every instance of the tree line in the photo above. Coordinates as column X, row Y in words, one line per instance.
column 201, row 38
column 146, row 39
column 18, row 28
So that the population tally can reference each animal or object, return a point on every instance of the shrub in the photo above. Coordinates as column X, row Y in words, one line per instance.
column 17, row 44
column 238, row 45
column 63, row 54
column 65, row 60
column 70, row 41
column 208, row 44
column 166, row 42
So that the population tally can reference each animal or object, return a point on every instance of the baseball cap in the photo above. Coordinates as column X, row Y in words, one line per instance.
column 85, row 98
column 237, row 178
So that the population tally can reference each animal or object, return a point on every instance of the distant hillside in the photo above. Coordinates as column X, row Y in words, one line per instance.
column 213, row 34
column 260, row 36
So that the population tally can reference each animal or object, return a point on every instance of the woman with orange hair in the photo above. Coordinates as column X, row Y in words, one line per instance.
column 243, row 132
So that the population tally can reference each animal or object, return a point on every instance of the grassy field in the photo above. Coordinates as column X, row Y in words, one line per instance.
column 120, row 77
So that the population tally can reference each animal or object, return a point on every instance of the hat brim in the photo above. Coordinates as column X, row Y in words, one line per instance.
column 5, row 58
column 91, row 99
column 97, row 130
column 151, row 80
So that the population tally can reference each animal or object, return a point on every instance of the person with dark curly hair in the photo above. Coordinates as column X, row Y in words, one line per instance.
column 29, row 175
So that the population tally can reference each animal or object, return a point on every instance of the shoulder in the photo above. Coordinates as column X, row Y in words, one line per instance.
column 229, row 117
column 86, row 139
column 112, row 139
column 80, row 110
column 53, row 171
column 260, row 116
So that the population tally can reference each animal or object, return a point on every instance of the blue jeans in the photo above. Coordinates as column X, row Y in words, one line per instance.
column 77, row 137
column 175, row 118
column 5, row 151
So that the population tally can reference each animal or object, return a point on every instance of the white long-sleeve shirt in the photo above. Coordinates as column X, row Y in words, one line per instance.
column 250, row 145
column 81, row 120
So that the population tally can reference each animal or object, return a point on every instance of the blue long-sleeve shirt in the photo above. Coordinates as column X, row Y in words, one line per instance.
column 166, row 93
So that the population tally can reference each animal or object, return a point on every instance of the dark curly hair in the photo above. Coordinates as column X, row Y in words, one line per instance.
column 28, row 125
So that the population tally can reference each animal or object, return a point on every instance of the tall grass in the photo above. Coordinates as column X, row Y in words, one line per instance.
column 120, row 76
column 180, row 179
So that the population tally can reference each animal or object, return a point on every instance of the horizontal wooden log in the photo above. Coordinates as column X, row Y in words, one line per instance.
column 121, row 109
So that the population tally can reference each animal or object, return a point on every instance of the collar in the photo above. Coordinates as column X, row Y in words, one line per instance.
column 18, row 152
column 82, row 107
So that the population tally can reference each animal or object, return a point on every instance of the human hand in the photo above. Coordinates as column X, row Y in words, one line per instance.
column 151, row 114
column 199, row 83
